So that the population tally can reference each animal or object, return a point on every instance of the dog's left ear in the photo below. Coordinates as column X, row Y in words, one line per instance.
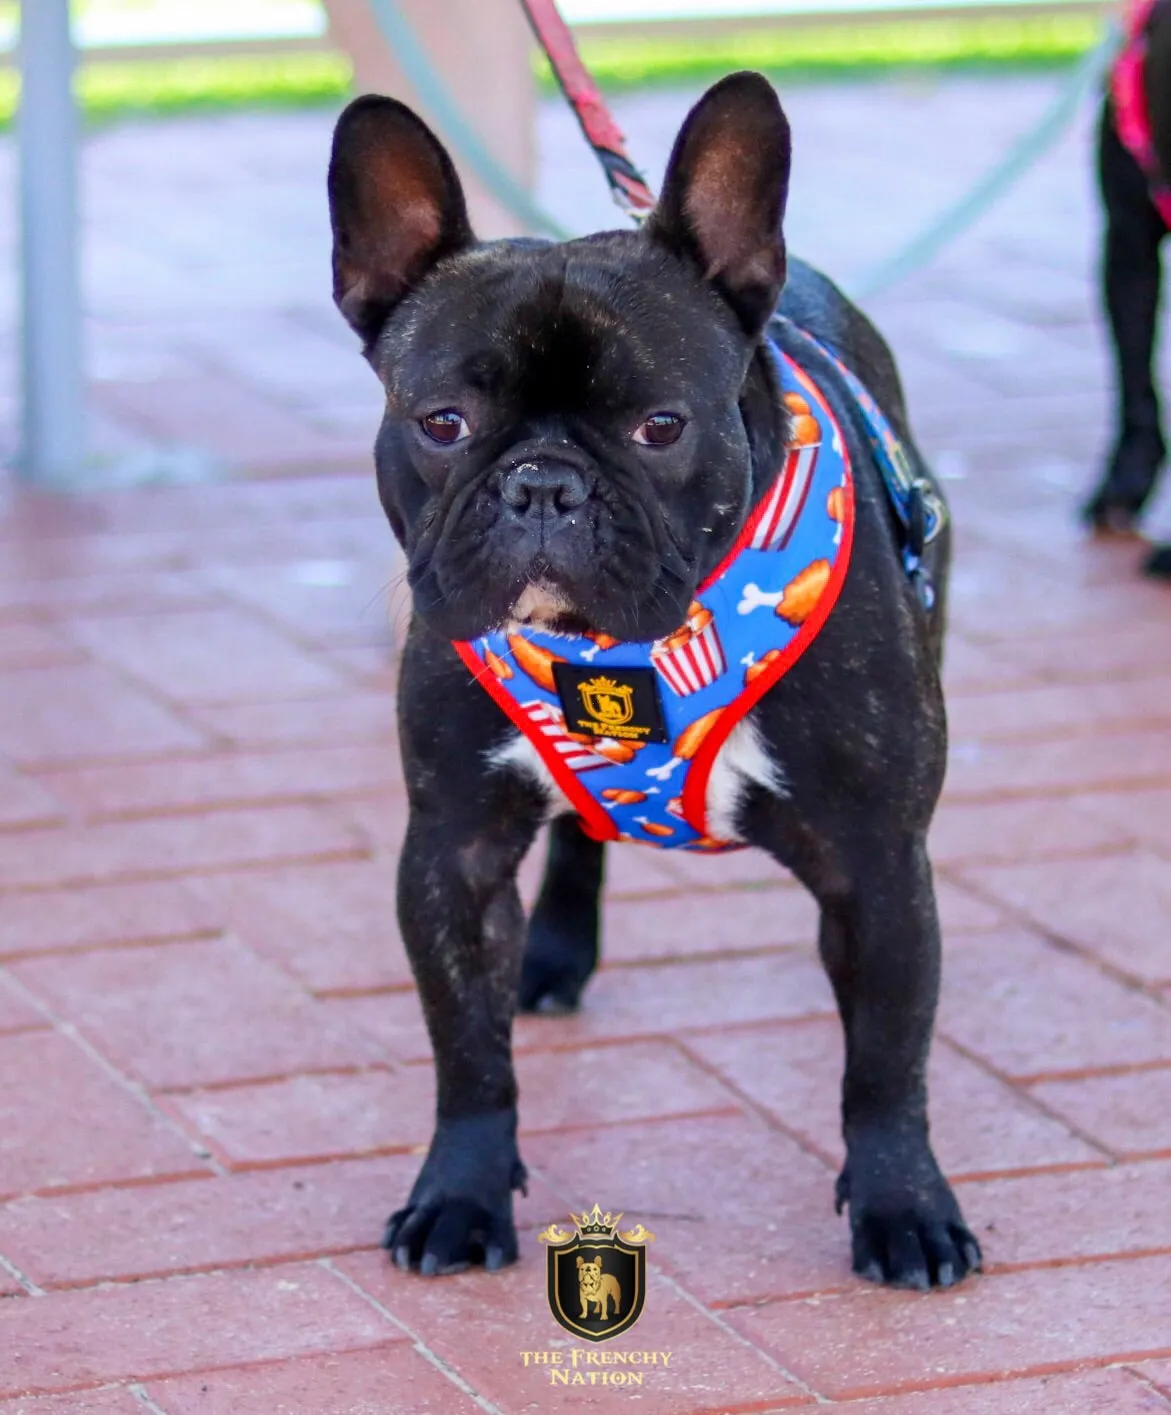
column 723, row 200
column 396, row 207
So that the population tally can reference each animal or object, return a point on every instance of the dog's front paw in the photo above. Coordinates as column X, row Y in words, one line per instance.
column 447, row 1235
column 460, row 1209
column 907, row 1233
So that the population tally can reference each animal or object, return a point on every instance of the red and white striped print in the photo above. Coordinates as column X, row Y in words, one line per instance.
column 783, row 505
column 692, row 665
column 550, row 722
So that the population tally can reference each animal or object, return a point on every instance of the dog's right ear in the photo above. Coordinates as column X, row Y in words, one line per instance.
column 396, row 207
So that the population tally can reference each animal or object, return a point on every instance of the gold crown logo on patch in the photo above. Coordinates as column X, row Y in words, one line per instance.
column 607, row 701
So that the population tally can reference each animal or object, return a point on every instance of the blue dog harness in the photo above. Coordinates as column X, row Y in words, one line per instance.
column 630, row 731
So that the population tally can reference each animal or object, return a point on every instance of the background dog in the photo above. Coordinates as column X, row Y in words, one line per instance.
column 574, row 436
column 1131, row 278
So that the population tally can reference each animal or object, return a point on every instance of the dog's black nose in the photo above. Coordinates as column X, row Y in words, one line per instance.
column 545, row 488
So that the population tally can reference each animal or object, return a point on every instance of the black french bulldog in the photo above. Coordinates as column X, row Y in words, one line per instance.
column 575, row 434
column 1131, row 279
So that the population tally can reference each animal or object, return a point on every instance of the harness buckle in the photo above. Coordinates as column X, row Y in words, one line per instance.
column 917, row 538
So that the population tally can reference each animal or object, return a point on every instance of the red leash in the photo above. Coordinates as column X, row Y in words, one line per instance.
column 627, row 184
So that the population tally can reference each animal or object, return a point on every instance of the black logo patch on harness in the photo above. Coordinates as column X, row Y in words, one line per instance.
column 619, row 703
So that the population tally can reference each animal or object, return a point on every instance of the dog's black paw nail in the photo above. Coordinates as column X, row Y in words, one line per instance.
column 912, row 1280
column 449, row 1235
column 392, row 1238
column 553, row 1006
column 918, row 1244
column 430, row 1266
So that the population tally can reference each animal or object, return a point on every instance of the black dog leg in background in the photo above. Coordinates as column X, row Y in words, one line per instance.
column 1131, row 280
column 562, row 949
column 1159, row 101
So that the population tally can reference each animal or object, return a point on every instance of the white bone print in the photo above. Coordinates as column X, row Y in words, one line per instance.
column 661, row 773
column 756, row 598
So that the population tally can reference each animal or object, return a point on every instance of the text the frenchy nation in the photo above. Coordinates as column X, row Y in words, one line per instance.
column 575, row 1367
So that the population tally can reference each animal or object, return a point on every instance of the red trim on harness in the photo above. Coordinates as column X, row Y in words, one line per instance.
column 695, row 786
column 596, row 822
column 700, row 769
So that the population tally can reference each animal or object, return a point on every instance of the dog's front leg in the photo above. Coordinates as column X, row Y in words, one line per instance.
column 880, row 944
column 461, row 920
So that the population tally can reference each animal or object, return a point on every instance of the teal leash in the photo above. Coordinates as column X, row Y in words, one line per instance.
column 954, row 221
column 474, row 154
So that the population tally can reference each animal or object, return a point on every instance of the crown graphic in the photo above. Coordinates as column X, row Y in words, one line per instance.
column 594, row 1222
column 603, row 685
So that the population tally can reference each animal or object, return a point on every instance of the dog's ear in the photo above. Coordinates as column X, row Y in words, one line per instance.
column 396, row 207
column 723, row 199
column 580, row 1261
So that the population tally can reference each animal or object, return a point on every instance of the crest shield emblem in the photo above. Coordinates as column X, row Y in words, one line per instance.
column 596, row 1276
column 608, row 703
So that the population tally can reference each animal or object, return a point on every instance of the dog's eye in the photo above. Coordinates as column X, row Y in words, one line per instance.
column 660, row 430
column 446, row 426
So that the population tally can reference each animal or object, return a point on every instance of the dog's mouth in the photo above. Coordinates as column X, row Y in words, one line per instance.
column 544, row 605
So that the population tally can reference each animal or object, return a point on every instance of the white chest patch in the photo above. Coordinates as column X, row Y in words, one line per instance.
column 742, row 762
column 518, row 754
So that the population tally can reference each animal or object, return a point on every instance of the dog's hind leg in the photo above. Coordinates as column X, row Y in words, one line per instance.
column 1131, row 283
column 563, row 937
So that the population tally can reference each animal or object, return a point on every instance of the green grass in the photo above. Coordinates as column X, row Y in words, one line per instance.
column 846, row 49
column 295, row 80
column 110, row 90
column 155, row 87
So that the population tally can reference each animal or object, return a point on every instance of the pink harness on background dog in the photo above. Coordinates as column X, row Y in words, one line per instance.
column 1132, row 114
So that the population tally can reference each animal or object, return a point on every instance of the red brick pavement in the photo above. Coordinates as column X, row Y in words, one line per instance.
column 214, row 1077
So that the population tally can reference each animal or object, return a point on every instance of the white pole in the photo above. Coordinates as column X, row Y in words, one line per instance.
column 53, row 448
